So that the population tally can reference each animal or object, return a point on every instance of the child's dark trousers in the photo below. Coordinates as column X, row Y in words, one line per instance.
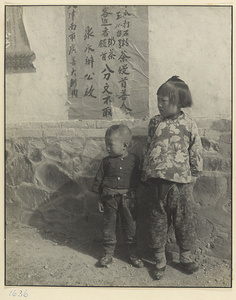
column 121, row 207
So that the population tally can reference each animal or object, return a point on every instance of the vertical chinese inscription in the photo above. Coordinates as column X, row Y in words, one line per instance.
column 122, row 32
column 89, row 62
column 107, row 61
column 106, row 43
column 72, row 60
column 114, row 39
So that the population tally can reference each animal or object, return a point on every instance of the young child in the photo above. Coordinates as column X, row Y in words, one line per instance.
column 115, row 182
column 172, row 158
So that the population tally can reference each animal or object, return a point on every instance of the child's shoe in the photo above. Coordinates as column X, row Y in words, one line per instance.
column 159, row 273
column 189, row 267
column 160, row 267
column 132, row 250
column 106, row 261
column 186, row 262
column 136, row 262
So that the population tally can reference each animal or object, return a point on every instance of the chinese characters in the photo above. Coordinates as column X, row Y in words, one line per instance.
column 101, row 55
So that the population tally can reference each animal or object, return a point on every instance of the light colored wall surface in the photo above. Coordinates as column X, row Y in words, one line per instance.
column 195, row 44
column 192, row 42
column 41, row 96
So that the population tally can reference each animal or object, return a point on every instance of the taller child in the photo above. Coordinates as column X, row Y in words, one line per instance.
column 172, row 158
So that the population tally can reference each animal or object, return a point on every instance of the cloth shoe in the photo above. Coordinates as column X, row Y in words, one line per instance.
column 159, row 273
column 136, row 262
column 186, row 262
column 189, row 267
column 160, row 267
column 106, row 261
column 132, row 250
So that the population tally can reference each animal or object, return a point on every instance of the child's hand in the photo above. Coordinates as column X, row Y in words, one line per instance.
column 100, row 206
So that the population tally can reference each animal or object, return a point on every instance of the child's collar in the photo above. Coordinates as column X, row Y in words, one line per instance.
column 126, row 155
column 175, row 117
column 122, row 157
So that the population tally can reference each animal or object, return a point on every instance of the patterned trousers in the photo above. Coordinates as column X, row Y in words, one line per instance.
column 170, row 202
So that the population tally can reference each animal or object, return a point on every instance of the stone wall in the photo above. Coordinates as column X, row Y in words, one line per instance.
column 50, row 167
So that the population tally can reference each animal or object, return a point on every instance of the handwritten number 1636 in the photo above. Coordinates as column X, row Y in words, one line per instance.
column 19, row 293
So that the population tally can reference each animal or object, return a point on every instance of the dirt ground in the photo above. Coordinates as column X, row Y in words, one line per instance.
column 39, row 257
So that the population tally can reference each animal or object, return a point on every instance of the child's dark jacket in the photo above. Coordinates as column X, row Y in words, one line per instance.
column 117, row 173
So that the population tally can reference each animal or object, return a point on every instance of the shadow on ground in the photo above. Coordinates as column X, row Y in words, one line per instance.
column 67, row 219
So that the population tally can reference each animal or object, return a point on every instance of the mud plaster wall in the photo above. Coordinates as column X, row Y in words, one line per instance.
column 51, row 162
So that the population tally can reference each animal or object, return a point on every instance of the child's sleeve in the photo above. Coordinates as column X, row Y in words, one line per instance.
column 195, row 152
column 97, row 185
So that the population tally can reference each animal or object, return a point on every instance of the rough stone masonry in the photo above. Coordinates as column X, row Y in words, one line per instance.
column 50, row 168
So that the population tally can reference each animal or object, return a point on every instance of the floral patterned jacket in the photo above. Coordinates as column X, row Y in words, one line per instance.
column 173, row 150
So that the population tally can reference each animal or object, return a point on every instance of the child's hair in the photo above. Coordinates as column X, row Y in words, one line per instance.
column 178, row 92
column 122, row 130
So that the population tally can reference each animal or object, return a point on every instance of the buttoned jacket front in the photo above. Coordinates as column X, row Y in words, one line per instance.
column 117, row 173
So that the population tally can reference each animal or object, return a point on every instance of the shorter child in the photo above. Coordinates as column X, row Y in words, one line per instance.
column 115, row 182
column 172, row 159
